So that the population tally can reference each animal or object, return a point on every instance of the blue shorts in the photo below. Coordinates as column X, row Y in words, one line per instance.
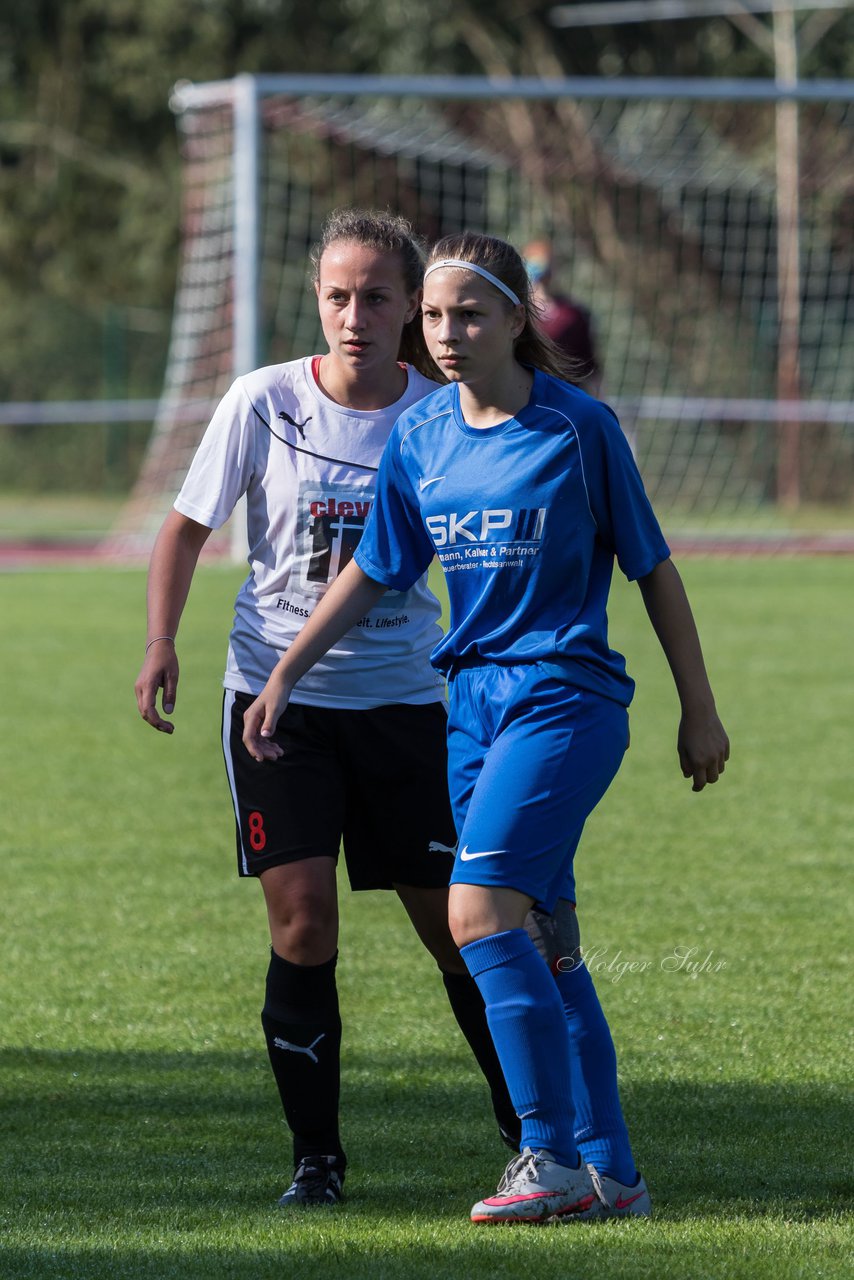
column 529, row 757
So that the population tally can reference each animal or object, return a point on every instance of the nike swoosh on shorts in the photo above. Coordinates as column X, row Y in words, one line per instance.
column 488, row 853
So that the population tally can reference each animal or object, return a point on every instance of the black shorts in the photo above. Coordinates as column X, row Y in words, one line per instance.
column 376, row 779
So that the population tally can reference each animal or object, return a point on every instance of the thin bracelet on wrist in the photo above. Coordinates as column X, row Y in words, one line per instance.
column 156, row 638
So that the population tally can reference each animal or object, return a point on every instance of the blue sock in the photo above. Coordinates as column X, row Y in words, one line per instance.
column 528, row 1026
column 600, row 1130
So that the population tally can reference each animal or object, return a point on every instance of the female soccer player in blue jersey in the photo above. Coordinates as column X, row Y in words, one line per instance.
column 526, row 490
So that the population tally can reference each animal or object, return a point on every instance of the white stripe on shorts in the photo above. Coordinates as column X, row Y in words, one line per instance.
column 227, row 704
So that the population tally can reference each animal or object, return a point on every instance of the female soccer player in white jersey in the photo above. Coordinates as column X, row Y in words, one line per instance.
column 526, row 490
column 362, row 748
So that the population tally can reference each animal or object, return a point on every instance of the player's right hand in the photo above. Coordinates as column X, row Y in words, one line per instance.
column 260, row 720
column 159, row 671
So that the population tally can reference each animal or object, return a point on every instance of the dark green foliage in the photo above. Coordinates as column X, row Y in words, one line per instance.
column 89, row 168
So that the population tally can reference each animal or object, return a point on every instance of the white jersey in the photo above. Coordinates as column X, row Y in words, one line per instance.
column 308, row 468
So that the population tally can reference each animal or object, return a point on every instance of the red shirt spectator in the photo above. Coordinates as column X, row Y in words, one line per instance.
column 568, row 323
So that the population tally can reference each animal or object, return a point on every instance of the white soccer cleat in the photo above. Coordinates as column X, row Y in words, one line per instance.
column 615, row 1199
column 535, row 1188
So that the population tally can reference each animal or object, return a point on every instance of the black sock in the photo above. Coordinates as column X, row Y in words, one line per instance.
column 470, row 1013
column 303, row 1031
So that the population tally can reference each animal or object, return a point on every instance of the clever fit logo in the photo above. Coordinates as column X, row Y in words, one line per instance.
column 334, row 528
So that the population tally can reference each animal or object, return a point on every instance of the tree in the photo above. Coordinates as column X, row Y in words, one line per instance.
column 89, row 171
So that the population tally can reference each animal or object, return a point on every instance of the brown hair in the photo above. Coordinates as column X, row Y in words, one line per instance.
column 533, row 346
column 386, row 233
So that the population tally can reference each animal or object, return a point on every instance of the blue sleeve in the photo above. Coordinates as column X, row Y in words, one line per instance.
column 395, row 548
column 625, row 520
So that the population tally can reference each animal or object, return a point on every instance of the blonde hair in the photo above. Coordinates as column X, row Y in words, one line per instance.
column 533, row 346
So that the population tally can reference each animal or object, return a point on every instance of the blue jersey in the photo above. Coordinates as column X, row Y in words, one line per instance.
column 526, row 518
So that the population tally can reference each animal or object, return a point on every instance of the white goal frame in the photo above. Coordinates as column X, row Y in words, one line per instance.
column 787, row 412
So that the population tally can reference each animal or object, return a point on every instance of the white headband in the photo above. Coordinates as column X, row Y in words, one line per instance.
column 479, row 271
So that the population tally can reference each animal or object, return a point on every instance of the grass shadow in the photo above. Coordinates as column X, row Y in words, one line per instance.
column 122, row 1164
column 195, row 1130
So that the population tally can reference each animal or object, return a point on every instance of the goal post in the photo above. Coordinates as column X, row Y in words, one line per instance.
column 662, row 202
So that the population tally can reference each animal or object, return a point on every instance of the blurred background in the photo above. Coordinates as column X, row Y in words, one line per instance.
column 674, row 220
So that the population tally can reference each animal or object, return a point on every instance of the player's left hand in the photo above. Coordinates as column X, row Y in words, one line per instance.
column 260, row 719
column 703, row 748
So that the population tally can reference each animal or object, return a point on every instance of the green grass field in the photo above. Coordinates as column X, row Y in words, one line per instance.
column 141, row 1130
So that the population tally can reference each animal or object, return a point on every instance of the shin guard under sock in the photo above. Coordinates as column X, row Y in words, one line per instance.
column 302, row 1027
column 600, row 1130
column 528, row 1026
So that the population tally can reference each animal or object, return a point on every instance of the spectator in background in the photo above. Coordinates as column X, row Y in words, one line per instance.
column 567, row 322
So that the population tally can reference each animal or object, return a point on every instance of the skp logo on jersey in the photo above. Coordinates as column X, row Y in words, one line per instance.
column 489, row 525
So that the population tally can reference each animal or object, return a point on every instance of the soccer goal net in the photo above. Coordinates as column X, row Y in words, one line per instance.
column 706, row 225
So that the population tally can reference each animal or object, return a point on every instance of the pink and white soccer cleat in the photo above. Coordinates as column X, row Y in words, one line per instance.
column 535, row 1188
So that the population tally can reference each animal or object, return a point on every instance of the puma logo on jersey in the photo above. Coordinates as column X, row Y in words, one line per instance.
column 308, row 1050
column 286, row 417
